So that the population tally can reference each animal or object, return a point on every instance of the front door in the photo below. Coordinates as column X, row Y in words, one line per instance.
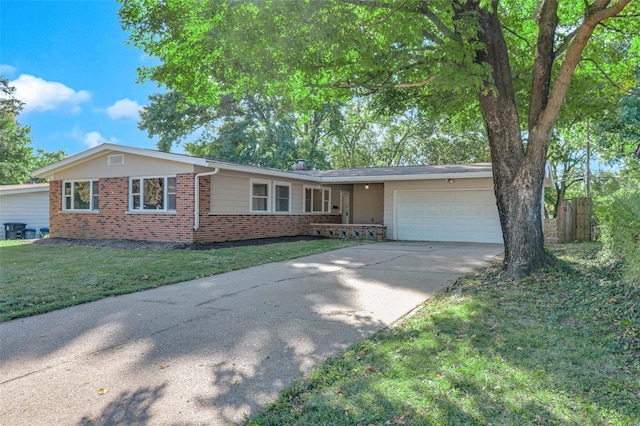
column 345, row 206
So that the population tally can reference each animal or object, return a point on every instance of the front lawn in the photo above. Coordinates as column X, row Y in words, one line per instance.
column 38, row 278
column 561, row 348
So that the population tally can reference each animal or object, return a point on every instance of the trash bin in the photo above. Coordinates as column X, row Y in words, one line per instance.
column 29, row 234
column 13, row 231
column 44, row 232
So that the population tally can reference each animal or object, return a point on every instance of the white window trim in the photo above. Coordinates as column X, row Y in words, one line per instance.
column 73, row 182
column 165, row 196
column 324, row 203
column 268, row 196
column 275, row 202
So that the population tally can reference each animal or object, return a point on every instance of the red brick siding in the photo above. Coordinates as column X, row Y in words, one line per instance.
column 113, row 221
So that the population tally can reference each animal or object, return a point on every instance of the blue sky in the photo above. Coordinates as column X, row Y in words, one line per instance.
column 70, row 64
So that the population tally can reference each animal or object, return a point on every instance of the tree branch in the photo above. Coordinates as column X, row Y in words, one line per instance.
column 373, row 86
column 595, row 14
column 565, row 43
column 609, row 78
column 510, row 31
column 543, row 62
column 380, row 21
column 424, row 9
column 432, row 37
column 368, row 3
column 416, row 84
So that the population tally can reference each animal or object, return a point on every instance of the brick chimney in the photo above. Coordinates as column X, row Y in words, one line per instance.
column 301, row 164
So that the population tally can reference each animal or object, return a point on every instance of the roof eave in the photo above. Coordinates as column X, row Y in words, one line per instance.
column 423, row 176
column 262, row 171
column 89, row 154
column 24, row 190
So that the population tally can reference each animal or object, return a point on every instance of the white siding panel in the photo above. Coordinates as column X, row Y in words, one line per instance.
column 230, row 194
column 31, row 208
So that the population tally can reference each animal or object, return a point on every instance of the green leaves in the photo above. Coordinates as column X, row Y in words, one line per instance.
column 618, row 215
column 17, row 159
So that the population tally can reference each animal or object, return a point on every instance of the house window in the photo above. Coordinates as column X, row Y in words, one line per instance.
column 282, row 197
column 317, row 199
column 153, row 193
column 259, row 195
column 81, row 195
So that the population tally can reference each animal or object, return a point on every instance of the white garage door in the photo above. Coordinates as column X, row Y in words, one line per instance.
column 467, row 216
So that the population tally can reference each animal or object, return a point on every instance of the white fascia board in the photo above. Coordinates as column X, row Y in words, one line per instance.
column 433, row 176
column 263, row 172
column 24, row 190
column 110, row 147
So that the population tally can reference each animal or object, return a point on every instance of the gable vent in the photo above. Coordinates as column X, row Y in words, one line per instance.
column 115, row 160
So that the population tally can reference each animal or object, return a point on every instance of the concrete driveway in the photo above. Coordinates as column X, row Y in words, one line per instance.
column 212, row 350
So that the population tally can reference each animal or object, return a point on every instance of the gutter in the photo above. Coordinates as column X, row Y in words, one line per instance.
column 196, row 201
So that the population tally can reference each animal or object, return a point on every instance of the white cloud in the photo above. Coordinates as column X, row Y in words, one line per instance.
column 7, row 70
column 41, row 95
column 124, row 108
column 90, row 139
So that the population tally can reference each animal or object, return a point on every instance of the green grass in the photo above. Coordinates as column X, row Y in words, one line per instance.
column 561, row 348
column 40, row 278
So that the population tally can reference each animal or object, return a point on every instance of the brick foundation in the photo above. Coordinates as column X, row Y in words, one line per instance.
column 352, row 231
column 231, row 227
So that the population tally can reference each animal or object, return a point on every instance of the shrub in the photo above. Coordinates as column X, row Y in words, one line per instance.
column 618, row 216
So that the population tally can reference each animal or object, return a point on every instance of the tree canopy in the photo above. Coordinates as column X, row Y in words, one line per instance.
column 517, row 63
column 17, row 158
column 255, row 130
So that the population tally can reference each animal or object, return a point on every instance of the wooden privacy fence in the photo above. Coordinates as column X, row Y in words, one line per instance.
column 574, row 220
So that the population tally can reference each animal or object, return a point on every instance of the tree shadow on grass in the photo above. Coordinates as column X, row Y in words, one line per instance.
column 130, row 408
column 484, row 360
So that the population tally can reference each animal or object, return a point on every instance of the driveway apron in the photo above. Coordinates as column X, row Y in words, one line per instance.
column 213, row 350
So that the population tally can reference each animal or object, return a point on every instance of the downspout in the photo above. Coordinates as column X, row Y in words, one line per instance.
column 196, row 201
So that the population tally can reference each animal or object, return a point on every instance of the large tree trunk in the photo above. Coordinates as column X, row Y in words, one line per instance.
column 518, row 178
column 518, row 185
column 519, row 201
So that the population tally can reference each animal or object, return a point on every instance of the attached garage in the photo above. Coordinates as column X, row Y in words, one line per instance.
column 447, row 215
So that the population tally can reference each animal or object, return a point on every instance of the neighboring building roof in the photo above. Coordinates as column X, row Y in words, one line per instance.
column 24, row 188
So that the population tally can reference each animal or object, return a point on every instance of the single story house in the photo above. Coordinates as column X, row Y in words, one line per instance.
column 119, row 192
column 27, row 204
